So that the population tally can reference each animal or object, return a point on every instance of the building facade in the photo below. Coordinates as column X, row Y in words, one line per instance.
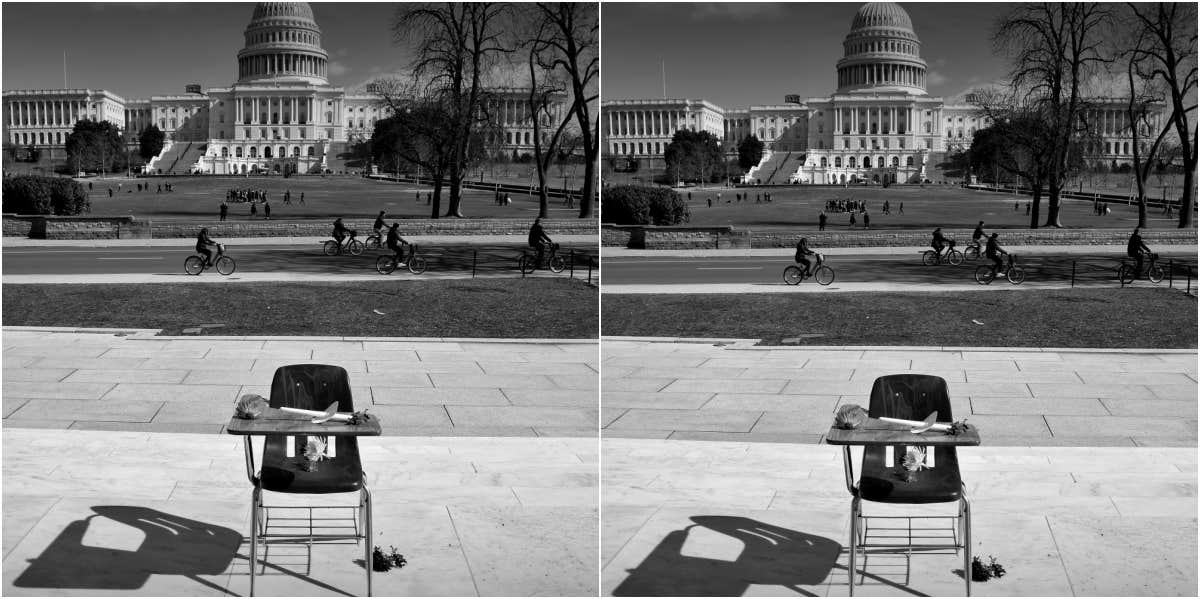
column 878, row 125
column 281, row 114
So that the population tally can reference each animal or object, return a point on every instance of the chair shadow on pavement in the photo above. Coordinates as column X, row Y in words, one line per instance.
column 169, row 545
column 770, row 555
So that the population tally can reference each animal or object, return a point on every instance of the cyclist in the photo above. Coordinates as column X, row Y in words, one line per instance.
column 802, row 252
column 202, row 243
column 993, row 253
column 538, row 239
column 977, row 234
column 378, row 226
column 339, row 232
column 1137, row 249
column 939, row 241
column 394, row 241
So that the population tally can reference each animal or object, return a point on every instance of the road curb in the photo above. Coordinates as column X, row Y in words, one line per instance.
column 152, row 334
column 739, row 344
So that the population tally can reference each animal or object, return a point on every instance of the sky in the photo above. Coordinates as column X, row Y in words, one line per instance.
column 741, row 54
column 137, row 50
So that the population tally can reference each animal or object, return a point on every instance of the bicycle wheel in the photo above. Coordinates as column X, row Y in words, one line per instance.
column 929, row 258
column 954, row 257
column 1125, row 274
column 557, row 264
column 1016, row 275
column 824, row 275
column 527, row 264
column 194, row 265
column 355, row 246
column 385, row 264
column 373, row 243
column 1154, row 273
column 971, row 253
column 331, row 248
column 226, row 265
column 416, row 264
column 984, row 274
column 792, row 275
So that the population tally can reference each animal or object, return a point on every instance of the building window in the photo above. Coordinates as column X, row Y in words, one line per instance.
column 908, row 161
column 311, row 151
column 866, row 162
column 895, row 161
column 850, row 162
column 295, row 150
column 254, row 151
column 262, row 133
column 224, row 152
column 266, row 151
column 824, row 162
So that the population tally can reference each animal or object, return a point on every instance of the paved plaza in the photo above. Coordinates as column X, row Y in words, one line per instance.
column 716, row 479
column 486, row 478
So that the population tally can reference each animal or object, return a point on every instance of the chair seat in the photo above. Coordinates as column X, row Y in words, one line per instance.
column 282, row 474
column 884, row 483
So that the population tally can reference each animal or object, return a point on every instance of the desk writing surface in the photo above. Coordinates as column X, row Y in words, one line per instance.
column 877, row 432
column 276, row 422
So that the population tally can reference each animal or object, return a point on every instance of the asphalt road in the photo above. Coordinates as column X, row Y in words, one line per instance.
column 256, row 258
column 1088, row 269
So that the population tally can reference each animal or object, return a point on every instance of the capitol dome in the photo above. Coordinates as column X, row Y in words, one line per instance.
column 882, row 53
column 283, row 43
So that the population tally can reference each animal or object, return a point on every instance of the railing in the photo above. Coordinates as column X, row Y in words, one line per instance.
column 1128, row 200
column 1176, row 273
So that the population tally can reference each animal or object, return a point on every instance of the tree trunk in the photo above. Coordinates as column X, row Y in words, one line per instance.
column 1036, row 206
column 1054, row 208
column 437, row 196
column 456, row 180
column 543, row 199
column 1188, row 198
column 588, row 190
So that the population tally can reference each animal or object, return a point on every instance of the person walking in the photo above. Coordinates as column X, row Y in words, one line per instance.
column 267, row 209
column 821, row 218
column 866, row 220
column 253, row 209
column 224, row 210
column 852, row 220
column 302, row 198
column 901, row 207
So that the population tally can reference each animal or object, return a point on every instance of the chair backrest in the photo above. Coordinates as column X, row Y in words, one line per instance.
column 910, row 396
column 311, row 387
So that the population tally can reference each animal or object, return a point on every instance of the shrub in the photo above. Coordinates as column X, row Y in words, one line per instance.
column 30, row 194
column 643, row 205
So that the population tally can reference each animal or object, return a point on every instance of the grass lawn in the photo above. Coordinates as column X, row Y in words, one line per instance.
column 1125, row 318
column 324, row 198
column 491, row 308
column 924, row 208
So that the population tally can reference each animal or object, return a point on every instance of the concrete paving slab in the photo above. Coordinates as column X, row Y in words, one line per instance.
column 1066, row 426
column 810, row 404
column 667, row 401
column 476, row 416
column 438, row 397
column 650, row 385
column 196, row 364
column 110, row 410
column 35, row 375
column 584, row 398
column 417, row 366
column 1141, row 556
column 56, row 390
column 187, row 392
column 1025, row 406
column 694, row 420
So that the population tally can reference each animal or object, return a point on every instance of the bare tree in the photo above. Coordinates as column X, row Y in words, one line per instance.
column 1168, row 56
column 1015, row 142
column 1055, row 48
column 571, row 43
column 546, row 89
column 455, row 45
column 1144, row 102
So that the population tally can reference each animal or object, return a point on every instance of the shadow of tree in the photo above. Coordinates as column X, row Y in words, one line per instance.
column 771, row 555
column 172, row 545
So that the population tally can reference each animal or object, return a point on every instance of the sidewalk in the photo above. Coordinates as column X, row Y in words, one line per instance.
column 485, row 479
column 1020, row 250
column 716, row 478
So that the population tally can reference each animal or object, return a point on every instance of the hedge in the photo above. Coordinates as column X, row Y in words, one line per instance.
column 32, row 194
column 643, row 205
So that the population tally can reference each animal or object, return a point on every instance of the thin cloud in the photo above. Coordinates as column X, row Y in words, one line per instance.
column 935, row 78
column 337, row 69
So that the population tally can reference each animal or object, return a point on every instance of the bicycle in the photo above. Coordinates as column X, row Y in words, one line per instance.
column 195, row 264
column 354, row 246
column 1127, row 272
column 953, row 256
column 822, row 274
column 527, row 263
column 986, row 273
column 415, row 263
column 973, row 250
column 374, row 241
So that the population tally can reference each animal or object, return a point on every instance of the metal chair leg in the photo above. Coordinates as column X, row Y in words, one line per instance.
column 854, row 507
column 367, row 542
column 255, row 501
column 966, row 507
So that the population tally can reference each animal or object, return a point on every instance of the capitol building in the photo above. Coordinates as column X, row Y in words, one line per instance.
column 280, row 115
column 879, row 124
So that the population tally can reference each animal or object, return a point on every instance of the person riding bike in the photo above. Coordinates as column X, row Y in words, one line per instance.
column 939, row 241
column 339, row 232
column 378, row 226
column 202, row 243
column 993, row 253
column 801, row 252
column 978, row 233
column 394, row 241
column 538, row 239
column 1137, row 249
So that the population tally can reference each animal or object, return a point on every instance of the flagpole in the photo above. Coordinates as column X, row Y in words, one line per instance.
column 664, row 79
